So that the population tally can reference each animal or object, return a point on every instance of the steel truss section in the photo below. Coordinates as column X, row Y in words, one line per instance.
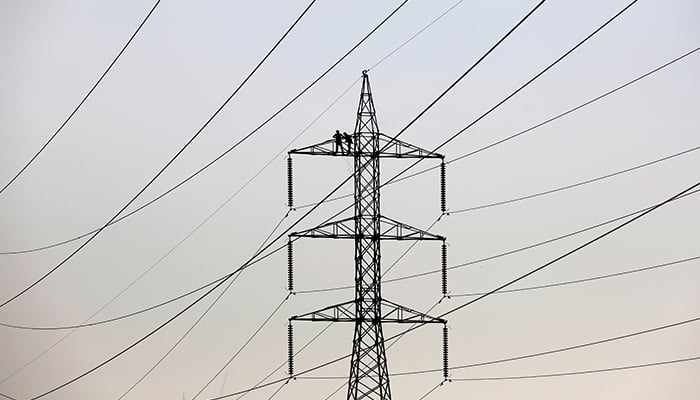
column 392, row 148
column 391, row 313
column 369, row 374
column 389, row 229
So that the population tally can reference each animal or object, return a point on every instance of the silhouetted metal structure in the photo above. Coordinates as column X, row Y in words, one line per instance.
column 369, row 376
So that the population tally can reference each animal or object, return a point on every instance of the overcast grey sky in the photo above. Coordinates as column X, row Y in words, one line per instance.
column 185, row 62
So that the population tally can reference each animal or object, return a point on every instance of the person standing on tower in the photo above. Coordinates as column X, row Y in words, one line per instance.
column 348, row 141
column 338, row 141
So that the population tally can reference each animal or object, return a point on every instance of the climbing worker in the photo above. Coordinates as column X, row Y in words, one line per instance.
column 348, row 141
column 338, row 141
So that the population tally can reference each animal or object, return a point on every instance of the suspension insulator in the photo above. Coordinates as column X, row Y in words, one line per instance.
column 444, row 269
column 290, row 270
column 290, row 193
column 443, row 189
column 445, row 366
column 290, row 344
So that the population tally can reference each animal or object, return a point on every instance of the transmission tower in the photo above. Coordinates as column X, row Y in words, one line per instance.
column 369, row 375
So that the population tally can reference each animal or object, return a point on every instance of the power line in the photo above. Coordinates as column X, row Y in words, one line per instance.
column 456, row 266
column 143, row 310
column 313, row 339
column 387, row 56
column 196, row 228
column 245, row 265
column 153, row 179
column 92, row 89
column 570, row 234
column 342, row 183
column 577, row 184
column 250, row 339
column 7, row 397
column 590, row 279
column 172, row 348
column 523, row 86
column 565, row 113
column 552, row 119
column 500, row 378
column 530, row 81
column 503, row 286
column 250, row 262
column 435, row 101
column 499, row 255
column 562, row 349
column 585, row 372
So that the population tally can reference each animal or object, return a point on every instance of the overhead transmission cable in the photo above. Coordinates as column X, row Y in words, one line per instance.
column 87, row 322
column 570, row 234
column 80, row 104
column 243, row 346
column 134, row 344
column 560, row 349
column 206, row 311
column 584, row 372
column 583, row 280
column 501, row 287
column 245, row 265
column 565, row 113
column 415, row 119
column 517, row 377
column 211, row 215
column 170, row 350
column 530, row 129
column 397, row 279
column 566, row 254
column 511, row 95
column 172, row 159
column 227, row 151
column 193, row 326
column 499, row 255
column 7, row 396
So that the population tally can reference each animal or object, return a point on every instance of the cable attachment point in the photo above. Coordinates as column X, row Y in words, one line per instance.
column 445, row 367
column 290, row 344
column 290, row 192
column 290, row 266
column 443, row 189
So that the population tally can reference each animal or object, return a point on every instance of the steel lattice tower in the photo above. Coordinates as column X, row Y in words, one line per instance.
column 369, row 375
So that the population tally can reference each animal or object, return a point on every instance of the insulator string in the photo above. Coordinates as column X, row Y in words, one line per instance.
column 443, row 188
column 445, row 365
column 290, row 264
column 290, row 192
column 444, row 269
column 290, row 344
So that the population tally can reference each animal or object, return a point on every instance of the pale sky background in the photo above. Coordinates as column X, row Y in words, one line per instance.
column 186, row 61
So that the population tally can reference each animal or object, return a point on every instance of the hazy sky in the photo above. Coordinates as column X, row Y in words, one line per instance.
column 190, row 56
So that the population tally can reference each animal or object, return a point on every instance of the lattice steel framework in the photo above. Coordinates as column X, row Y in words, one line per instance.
column 369, row 375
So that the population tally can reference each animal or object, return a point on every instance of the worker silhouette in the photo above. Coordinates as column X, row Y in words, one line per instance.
column 338, row 141
column 348, row 141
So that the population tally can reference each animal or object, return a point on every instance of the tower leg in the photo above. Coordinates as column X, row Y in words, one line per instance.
column 369, row 375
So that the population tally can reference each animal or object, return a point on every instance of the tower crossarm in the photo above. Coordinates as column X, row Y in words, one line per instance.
column 396, row 313
column 394, row 230
column 394, row 148
column 325, row 148
column 391, row 313
column 391, row 148
column 341, row 229
column 389, row 229
column 342, row 312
